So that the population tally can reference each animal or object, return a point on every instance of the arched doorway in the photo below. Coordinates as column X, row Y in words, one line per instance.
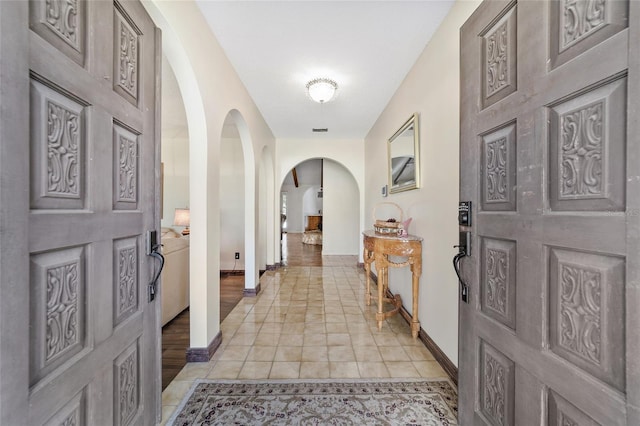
column 321, row 196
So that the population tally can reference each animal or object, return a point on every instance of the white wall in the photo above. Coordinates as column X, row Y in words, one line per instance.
column 211, row 90
column 175, row 158
column 432, row 89
column 231, row 204
column 174, row 147
column 311, row 204
column 340, row 226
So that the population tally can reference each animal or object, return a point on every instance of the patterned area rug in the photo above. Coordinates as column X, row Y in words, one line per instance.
column 373, row 402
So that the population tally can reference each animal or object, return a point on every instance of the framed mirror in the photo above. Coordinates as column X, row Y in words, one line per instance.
column 404, row 159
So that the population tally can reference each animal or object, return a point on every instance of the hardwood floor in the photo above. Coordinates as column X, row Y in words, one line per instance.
column 175, row 341
column 294, row 253
column 175, row 335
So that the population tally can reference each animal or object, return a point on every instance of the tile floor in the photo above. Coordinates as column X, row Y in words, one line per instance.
column 309, row 323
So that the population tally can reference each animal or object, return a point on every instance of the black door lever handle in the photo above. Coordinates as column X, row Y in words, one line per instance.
column 464, row 288
column 153, row 284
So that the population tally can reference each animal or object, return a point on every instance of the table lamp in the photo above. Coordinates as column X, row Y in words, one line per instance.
column 182, row 218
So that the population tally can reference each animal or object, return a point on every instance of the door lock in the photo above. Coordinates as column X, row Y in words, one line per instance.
column 464, row 213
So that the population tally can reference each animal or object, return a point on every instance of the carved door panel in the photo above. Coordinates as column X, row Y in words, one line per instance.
column 551, row 167
column 79, row 165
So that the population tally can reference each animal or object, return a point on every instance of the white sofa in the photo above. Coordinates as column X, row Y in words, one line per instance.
column 175, row 275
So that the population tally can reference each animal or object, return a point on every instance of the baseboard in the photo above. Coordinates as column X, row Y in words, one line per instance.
column 232, row 272
column 204, row 354
column 251, row 292
column 442, row 359
column 273, row 267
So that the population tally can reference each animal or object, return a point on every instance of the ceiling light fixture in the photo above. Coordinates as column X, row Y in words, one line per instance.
column 321, row 90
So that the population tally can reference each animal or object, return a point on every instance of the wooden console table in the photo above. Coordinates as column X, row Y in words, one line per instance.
column 378, row 248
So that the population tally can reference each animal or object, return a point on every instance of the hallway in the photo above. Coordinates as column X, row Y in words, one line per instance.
column 309, row 322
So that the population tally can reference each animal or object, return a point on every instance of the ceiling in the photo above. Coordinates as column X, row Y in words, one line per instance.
column 367, row 47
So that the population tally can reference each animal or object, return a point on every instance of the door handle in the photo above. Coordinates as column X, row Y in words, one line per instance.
column 464, row 249
column 153, row 250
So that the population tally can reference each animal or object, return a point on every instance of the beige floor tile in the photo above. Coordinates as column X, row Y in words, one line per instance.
column 339, row 318
column 278, row 310
column 314, row 328
column 293, row 328
column 176, row 390
column 367, row 354
column 406, row 339
column 402, row 369
column 243, row 339
column 332, row 309
column 315, row 310
column 267, row 339
column 353, row 319
column 285, row 370
column 225, row 370
column 359, row 328
column 383, row 339
column 418, row 353
column 373, row 369
column 311, row 323
column 362, row 339
column 294, row 318
column 271, row 327
column 255, row 317
column 341, row 353
column 230, row 326
column 235, row 353
column 337, row 327
column 194, row 370
column 255, row 370
column 393, row 353
column 315, row 318
column 319, row 339
column 235, row 316
column 344, row 370
column 167, row 411
column 338, row 339
column 429, row 369
column 261, row 308
column 315, row 353
column 288, row 353
column 296, row 309
column 291, row 340
column 277, row 318
column 261, row 353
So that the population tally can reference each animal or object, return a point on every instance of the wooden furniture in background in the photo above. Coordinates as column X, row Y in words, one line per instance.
column 378, row 248
column 314, row 222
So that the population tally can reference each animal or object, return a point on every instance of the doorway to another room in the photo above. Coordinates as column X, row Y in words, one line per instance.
column 319, row 206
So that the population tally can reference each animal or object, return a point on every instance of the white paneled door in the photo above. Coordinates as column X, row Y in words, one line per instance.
column 79, row 163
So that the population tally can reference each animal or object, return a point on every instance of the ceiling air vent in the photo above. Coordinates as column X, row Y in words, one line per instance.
column 321, row 130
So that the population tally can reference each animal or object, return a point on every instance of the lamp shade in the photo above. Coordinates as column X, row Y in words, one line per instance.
column 181, row 217
column 321, row 90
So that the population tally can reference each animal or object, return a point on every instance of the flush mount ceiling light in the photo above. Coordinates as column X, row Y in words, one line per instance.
column 321, row 90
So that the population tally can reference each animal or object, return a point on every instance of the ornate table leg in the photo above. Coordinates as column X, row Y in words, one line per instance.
column 382, row 278
column 415, row 280
column 367, row 257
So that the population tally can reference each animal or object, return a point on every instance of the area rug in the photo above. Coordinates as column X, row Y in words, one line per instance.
column 316, row 402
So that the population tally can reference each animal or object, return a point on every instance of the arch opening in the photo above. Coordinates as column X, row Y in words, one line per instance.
column 326, row 200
